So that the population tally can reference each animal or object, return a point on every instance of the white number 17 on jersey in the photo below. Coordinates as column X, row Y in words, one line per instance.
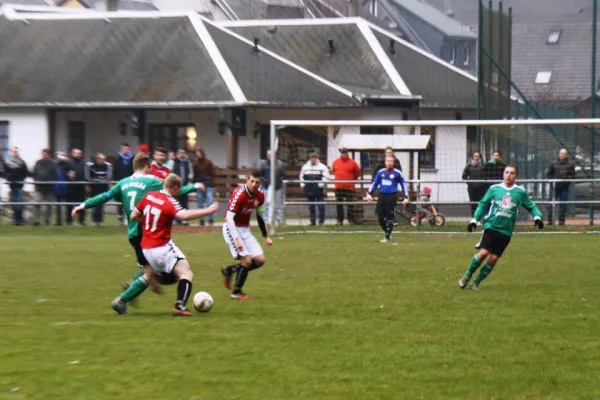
column 151, row 213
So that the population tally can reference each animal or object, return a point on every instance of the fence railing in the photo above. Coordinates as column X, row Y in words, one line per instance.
column 292, row 195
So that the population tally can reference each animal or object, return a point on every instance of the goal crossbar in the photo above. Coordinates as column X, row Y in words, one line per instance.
column 458, row 122
column 275, row 124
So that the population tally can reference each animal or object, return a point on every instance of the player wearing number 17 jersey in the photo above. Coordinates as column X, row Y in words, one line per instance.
column 236, row 232
column 501, row 206
column 156, row 213
column 129, row 191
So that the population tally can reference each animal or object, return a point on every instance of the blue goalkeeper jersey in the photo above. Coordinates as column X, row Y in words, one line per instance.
column 389, row 182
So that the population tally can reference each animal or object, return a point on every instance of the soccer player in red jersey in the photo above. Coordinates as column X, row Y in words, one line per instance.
column 156, row 213
column 236, row 231
column 159, row 169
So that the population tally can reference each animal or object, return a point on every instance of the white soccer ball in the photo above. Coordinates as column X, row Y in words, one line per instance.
column 203, row 302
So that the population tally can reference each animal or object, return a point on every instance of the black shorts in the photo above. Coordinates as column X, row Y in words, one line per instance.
column 494, row 242
column 386, row 204
column 136, row 243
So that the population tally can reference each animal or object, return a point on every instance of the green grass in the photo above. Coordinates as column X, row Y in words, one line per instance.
column 332, row 317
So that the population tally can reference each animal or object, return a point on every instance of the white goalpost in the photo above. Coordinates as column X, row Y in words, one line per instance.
column 525, row 127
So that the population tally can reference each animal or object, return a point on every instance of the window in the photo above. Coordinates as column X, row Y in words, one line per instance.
column 4, row 139
column 453, row 55
column 76, row 135
column 376, row 130
column 554, row 36
column 427, row 157
column 467, row 56
column 543, row 77
column 373, row 9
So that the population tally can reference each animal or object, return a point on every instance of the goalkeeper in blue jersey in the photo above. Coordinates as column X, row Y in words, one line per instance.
column 501, row 206
column 388, row 180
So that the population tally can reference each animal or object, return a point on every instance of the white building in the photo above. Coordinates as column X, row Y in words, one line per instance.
column 94, row 80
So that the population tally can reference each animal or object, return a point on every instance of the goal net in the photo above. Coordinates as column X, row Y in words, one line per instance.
column 435, row 157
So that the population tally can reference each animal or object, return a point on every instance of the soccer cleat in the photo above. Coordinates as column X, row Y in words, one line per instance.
column 227, row 274
column 462, row 282
column 239, row 296
column 135, row 302
column 474, row 286
column 181, row 312
column 384, row 240
column 119, row 306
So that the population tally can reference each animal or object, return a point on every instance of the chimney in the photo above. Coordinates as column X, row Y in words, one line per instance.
column 353, row 8
column 112, row 5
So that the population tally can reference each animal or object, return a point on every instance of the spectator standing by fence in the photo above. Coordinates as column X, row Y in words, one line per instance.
column 204, row 172
column 122, row 168
column 474, row 171
column 345, row 169
column 171, row 158
column 494, row 170
column 265, row 171
column 61, row 189
column 76, row 191
column 44, row 171
column 313, row 176
column 16, row 172
column 381, row 165
column 562, row 168
column 182, row 168
column 99, row 175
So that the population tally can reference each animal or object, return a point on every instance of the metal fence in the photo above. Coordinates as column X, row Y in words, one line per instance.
column 583, row 195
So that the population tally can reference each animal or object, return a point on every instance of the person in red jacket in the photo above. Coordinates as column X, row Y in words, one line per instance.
column 159, row 169
column 345, row 169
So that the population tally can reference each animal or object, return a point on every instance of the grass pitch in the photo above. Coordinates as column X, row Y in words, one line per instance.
column 331, row 317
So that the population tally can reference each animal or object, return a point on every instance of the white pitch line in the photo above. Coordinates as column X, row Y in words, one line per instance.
column 399, row 233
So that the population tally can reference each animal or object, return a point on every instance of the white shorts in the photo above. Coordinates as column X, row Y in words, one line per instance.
column 163, row 259
column 251, row 246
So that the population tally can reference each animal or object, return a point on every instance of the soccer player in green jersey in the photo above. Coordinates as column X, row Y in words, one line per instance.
column 130, row 191
column 501, row 206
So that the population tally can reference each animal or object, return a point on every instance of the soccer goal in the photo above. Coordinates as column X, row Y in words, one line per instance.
column 433, row 154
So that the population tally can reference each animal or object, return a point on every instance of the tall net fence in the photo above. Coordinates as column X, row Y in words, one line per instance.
column 443, row 162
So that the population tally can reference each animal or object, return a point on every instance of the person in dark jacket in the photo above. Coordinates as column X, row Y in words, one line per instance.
column 122, row 168
column 562, row 168
column 182, row 168
column 76, row 191
column 204, row 172
column 494, row 170
column 61, row 189
column 16, row 172
column 44, row 171
column 474, row 172
column 99, row 175
column 312, row 177
column 381, row 165
column 265, row 171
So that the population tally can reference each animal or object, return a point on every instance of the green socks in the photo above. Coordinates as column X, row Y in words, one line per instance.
column 139, row 273
column 136, row 288
column 485, row 271
column 473, row 265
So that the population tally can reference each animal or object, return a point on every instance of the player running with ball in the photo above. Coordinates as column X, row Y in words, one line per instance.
column 501, row 206
column 156, row 213
column 236, row 231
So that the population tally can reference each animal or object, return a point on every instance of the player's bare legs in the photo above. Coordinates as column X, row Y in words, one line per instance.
column 184, row 274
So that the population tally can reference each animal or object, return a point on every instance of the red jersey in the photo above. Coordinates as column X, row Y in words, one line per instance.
column 159, row 210
column 160, row 171
column 242, row 203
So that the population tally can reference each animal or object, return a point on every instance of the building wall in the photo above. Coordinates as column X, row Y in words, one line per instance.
column 28, row 130
column 103, row 135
